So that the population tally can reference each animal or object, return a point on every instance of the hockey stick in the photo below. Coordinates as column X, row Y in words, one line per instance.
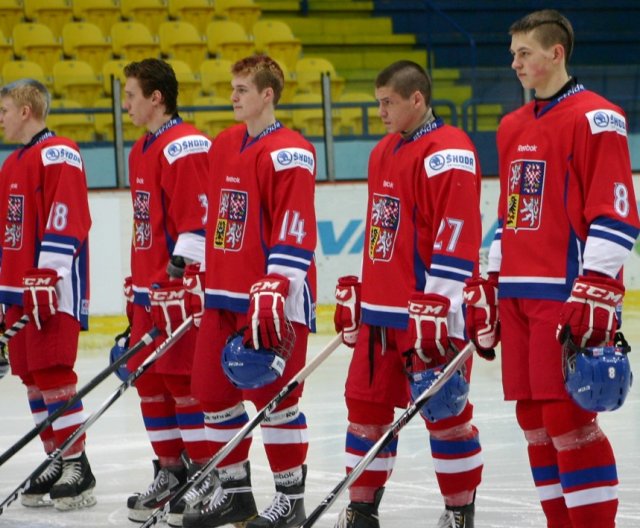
column 391, row 434
column 200, row 475
column 14, row 329
column 145, row 340
column 57, row 453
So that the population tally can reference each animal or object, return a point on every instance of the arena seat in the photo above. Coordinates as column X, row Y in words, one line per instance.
column 6, row 49
column 310, row 121
column 102, row 13
column 20, row 69
column 133, row 41
column 113, row 68
column 104, row 123
column 196, row 12
column 52, row 13
column 189, row 83
column 212, row 122
column 11, row 13
column 84, row 41
column 79, row 127
column 76, row 80
column 215, row 78
column 274, row 38
column 151, row 13
column 228, row 40
column 182, row 41
column 309, row 72
column 245, row 12
column 35, row 42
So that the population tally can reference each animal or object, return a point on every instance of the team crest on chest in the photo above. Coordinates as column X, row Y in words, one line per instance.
column 142, row 220
column 232, row 218
column 385, row 218
column 13, row 229
column 526, row 182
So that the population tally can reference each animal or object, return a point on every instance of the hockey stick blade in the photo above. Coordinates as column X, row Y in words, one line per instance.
column 200, row 475
column 57, row 453
column 14, row 329
column 145, row 340
column 391, row 434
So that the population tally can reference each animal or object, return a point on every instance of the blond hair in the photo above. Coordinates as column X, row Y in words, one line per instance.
column 31, row 93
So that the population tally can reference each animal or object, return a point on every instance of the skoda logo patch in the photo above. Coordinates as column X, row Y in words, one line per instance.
column 601, row 119
column 284, row 157
column 436, row 162
column 175, row 149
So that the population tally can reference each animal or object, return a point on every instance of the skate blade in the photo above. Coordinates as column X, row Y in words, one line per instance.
column 143, row 515
column 36, row 501
column 244, row 523
column 174, row 520
column 85, row 500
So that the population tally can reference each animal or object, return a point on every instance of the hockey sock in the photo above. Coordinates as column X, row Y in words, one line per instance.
column 40, row 413
column 360, row 439
column 158, row 413
column 221, row 426
column 190, row 420
column 69, row 421
column 284, row 434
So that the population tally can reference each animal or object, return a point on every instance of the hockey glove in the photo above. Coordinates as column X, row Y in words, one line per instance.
column 589, row 315
column 482, row 323
column 128, row 298
column 40, row 299
column 346, row 318
column 428, row 326
column 193, row 281
column 265, row 319
column 168, row 305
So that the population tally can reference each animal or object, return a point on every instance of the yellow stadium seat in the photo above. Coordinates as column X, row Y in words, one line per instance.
column 151, row 13
column 245, row 12
column 228, row 40
column 274, row 38
column 104, row 123
column 78, row 126
column 212, row 122
column 133, row 41
column 215, row 77
column 290, row 85
column 181, row 40
column 309, row 72
column 77, row 81
column 11, row 13
column 351, row 119
column 113, row 68
column 197, row 12
column 188, row 82
column 310, row 121
column 6, row 49
column 35, row 42
column 84, row 41
column 21, row 69
column 102, row 13
column 52, row 13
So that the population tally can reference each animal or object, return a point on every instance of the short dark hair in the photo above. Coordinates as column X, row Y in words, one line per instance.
column 266, row 73
column 550, row 26
column 406, row 77
column 156, row 74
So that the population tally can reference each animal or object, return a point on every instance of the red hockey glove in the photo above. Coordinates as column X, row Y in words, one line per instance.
column 193, row 281
column 128, row 296
column 482, row 323
column 265, row 318
column 428, row 326
column 40, row 299
column 589, row 315
column 346, row 318
column 168, row 306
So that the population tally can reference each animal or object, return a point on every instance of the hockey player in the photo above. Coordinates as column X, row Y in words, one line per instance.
column 167, row 171
column 261, row 237
column 567, row 221
column 44, row 215
column 423, row 233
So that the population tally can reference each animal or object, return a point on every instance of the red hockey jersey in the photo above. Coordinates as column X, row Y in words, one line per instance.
column 423, row 229
column 261, row 218
column 567, row 201
column 167, row 173
column 44, row 214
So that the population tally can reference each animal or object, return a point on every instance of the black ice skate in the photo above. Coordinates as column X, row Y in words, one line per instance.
column 231, row 503
column 166, row 481
column 74, row 489
column 361, row 514
column 34, row 495
column 457, row 517
column 286, row 509
column 193, row 500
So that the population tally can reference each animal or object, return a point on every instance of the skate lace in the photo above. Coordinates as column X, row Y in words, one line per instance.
column 71, row 472
column 158, row 483
column 218, row 497
column 450, row 519
column 279, row 507
column 50, row 473
column 198, row 493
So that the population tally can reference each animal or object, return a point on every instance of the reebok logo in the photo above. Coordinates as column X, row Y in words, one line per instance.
column 527, row 148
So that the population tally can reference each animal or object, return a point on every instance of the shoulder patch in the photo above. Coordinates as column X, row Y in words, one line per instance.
column 605, row 120
column 449, row 159
column 185, row 146
column 61, row 154
column 288, row 158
